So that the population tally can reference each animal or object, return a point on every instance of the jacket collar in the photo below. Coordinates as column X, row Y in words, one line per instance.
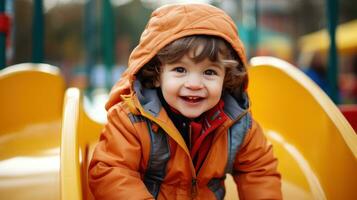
column 148, row 99
column 235, row 105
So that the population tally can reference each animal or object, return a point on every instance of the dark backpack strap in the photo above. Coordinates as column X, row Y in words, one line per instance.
column 236, row 135
column 215, row 185
column 159, row 156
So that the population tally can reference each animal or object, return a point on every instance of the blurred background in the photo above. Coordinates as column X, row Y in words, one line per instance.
column 90, row 40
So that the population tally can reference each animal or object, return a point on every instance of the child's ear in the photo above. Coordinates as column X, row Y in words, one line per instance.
column 157, row 83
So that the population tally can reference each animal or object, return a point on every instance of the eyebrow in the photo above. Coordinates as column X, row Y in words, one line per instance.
column 186, row 61
column 217, row 65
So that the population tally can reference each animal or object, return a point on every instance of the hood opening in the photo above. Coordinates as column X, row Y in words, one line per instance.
column 169, row 23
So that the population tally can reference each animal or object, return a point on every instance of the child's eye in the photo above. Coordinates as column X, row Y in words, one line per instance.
column 179, row 69
column 210, row 72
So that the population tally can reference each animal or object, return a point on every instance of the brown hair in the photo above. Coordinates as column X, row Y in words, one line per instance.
column 215, row 49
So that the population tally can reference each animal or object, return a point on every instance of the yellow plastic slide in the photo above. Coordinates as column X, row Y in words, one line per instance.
column 79, row 136
column 31, row 98
column 316, row 147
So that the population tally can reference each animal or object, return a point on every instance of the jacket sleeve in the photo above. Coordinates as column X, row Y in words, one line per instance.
column 114, row 168
column 255, row 167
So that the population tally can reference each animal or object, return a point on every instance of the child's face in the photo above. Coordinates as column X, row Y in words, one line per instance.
column 192, row 88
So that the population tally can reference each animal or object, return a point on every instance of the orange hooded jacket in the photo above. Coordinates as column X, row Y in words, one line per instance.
column 139, row 132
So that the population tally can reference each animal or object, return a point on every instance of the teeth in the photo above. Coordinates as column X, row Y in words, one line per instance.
column 192, row 98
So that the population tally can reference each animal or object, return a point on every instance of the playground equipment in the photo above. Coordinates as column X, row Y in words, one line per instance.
column 31, row 98
column 79, row 134
column 316, row 147
column 319, row 41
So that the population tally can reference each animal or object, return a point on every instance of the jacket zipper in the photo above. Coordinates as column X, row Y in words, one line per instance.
column 193, row 188
column 194, row 179
column 193, row 171
column 190, row 136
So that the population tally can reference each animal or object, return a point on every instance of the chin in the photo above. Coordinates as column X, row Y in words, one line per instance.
column 192, row 116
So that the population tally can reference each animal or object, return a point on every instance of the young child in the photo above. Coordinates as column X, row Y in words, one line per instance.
column 179, row 119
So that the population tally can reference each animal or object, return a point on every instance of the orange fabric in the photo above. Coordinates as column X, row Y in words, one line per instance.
column 254, row 160
column 121, row 156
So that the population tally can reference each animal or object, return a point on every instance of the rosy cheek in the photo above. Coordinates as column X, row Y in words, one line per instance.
column 173, row 84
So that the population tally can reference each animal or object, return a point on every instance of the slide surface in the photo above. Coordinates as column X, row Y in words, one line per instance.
column 31, row 97
column 316, row 147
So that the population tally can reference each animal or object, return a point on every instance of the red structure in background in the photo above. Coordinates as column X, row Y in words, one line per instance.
column 350, row 112
column 4, row 23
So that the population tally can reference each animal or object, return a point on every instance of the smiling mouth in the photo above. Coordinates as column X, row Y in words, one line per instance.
column 192, row 99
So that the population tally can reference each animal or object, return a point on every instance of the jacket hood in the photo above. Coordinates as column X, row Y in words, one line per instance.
column 169, row 23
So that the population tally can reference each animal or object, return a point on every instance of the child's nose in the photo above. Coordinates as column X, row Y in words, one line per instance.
column 194, row 82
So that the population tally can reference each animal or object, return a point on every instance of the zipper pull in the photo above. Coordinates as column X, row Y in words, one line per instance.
column 190, row 136
column 193, row 188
